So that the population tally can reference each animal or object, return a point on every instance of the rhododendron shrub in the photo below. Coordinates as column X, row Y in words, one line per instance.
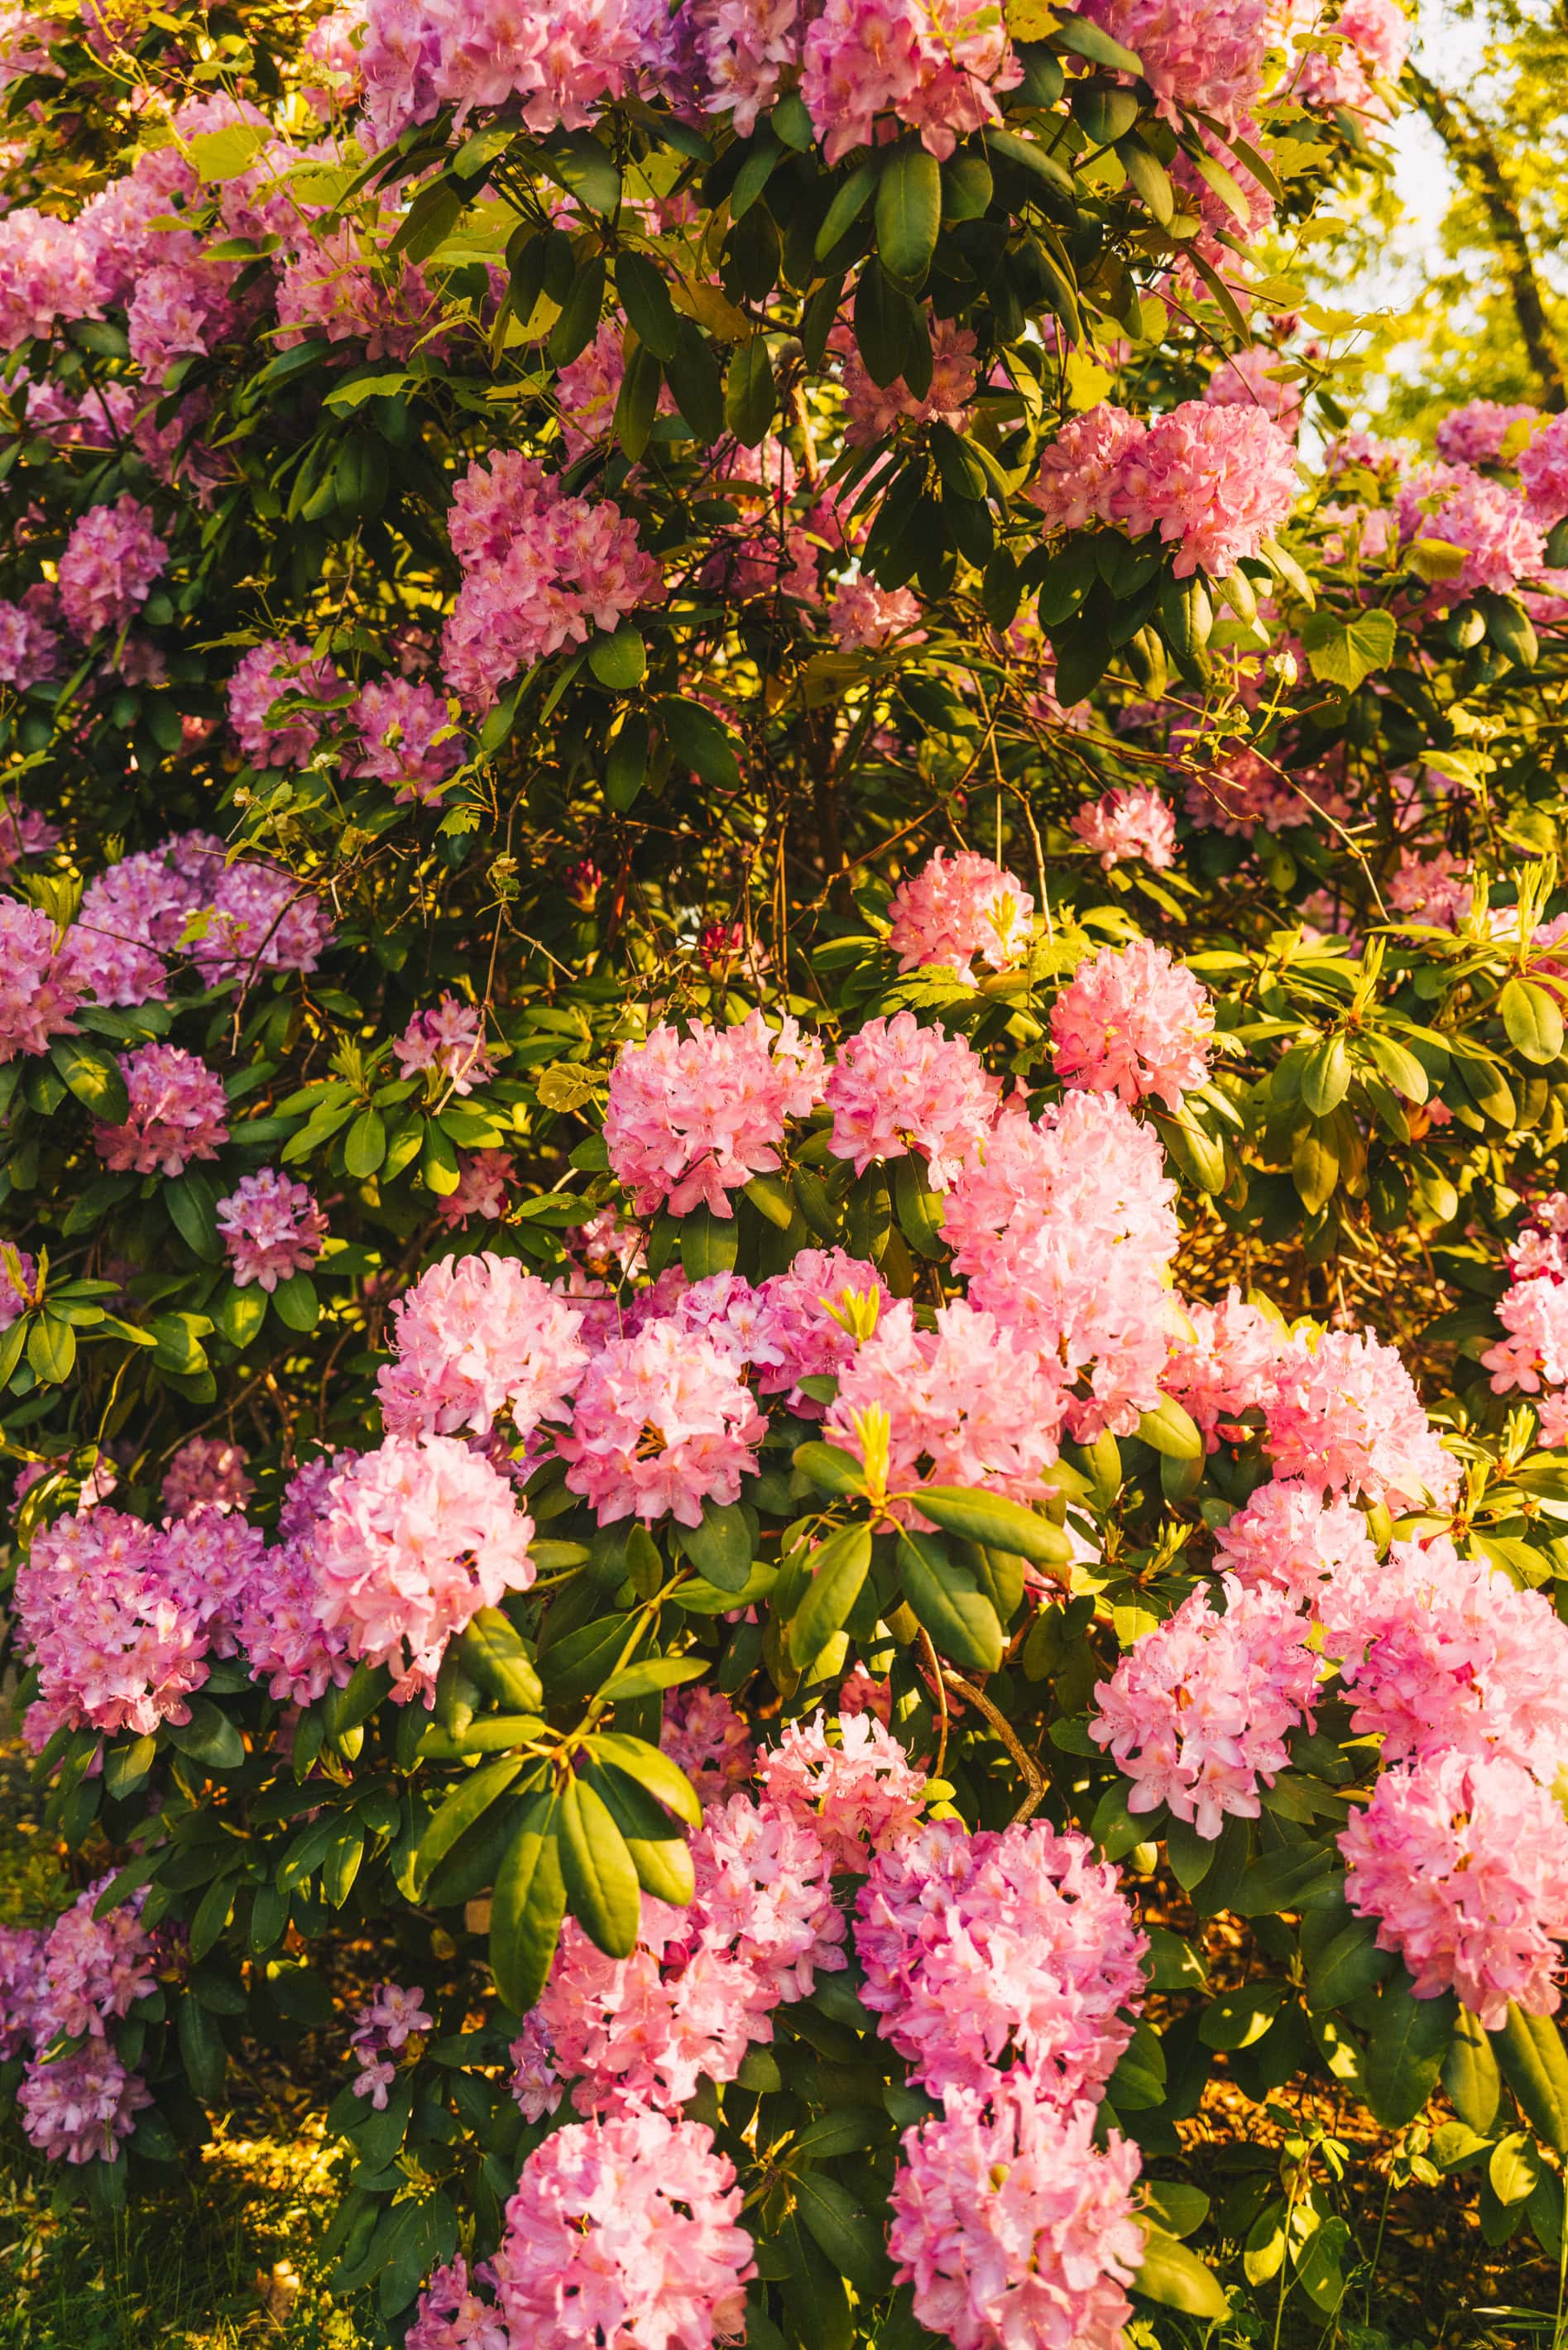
column 783, row 1313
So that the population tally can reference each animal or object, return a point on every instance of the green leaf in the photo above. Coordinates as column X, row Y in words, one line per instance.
column 1177, row 2279
column 908, row 214
column 751, row 395
column 1514, row 2167
column 619, row 661
column 652, row 1769
column 700, row 740
column 962, row 1625
column 1001, row 1525
column 838, row 1569
column 1171, row 1430
column 708, row 1243
column 849, row 202
column 1407, row 2042
column 1530, row 2052
column 51, row 1348
column 365, row 1145
column 645, row 298
column 527, row 1907
column 202, row 2049
column 1147, row 178
column 467, row 1802
column 192, row 1207
column 495, row 1654
column 585, row 168
column 602, row 1890
column 846, row 2233
column 660, row 1852
column 94, row 1076
column 720, row 1547
column 239, row 1313
column 296, row 1304
column 829, row 1467
column 1345, row 652
column 1534, row 1021
column 1176, row 2208
column 209, row 1737
column 1470, row 2074
column 1326, row 1077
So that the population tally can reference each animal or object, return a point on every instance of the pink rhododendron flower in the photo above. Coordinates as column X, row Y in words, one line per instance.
column 1132, row 1021
column 1014, row 2229
column 416, row 1537
column 1440, row 1652
column 134, row 915
column 959, row 910
column 278, row 1628
column 453, row 2316
column 703, row 1982
column 691, row 1119
column 272, row 1228
column 1010, row 1946
column 862, row 614
column 264, row 676
column 661, row 1424
column 968, row 1403
column 39, row 988
column 77, row 2109
column 1464, row 1864
column 398, row 720
column 622, row 2235
column 342, row 286
column 1474, row 435
column 1206, row 56
column 1198, row 1710
column 1127, row 823
column 485, row 1180
column 859, row 1794
column 1079, row 469
column 897, row 1086
column 477, row 1336
column 1375, row 39
column 1543, row 471
column 115, row 1646
column 541, row 569
column 30, row 648
column 704, row 1735
column 1253, row 378
column 1226, row 1367
column 1065, row 1228
column 18, row 1283
column 206, row 1474
column 934, row 64
column 871, row 409
column 1344, row 1417
column 1213, row 481
column 179, row 1112
column 1491, row 522
column 1290, row 1539
column 449, row 1040
column 561, row 59
column 110, row 561
column 1534, row 1355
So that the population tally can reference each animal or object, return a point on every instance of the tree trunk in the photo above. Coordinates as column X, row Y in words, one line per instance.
column 1476, row 159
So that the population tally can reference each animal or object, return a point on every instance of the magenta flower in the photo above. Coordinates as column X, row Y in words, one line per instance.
column 272, row 1229
column 179, row 1112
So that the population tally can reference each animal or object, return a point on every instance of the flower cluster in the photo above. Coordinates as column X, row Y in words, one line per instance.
column 179, row 1112
column 39, row 989
column 1198, row 1710
column 474, row 1337
column 416, row 1537
column 959, row 910
column 1132, row 1021
column 393, row 2024
column 71, row 1982
column 110, row 561
column 692, row 1118
column 541, row 569
column 661, row 1424
column 1127, row 823
column 272, row 1228
column 1214, row 481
